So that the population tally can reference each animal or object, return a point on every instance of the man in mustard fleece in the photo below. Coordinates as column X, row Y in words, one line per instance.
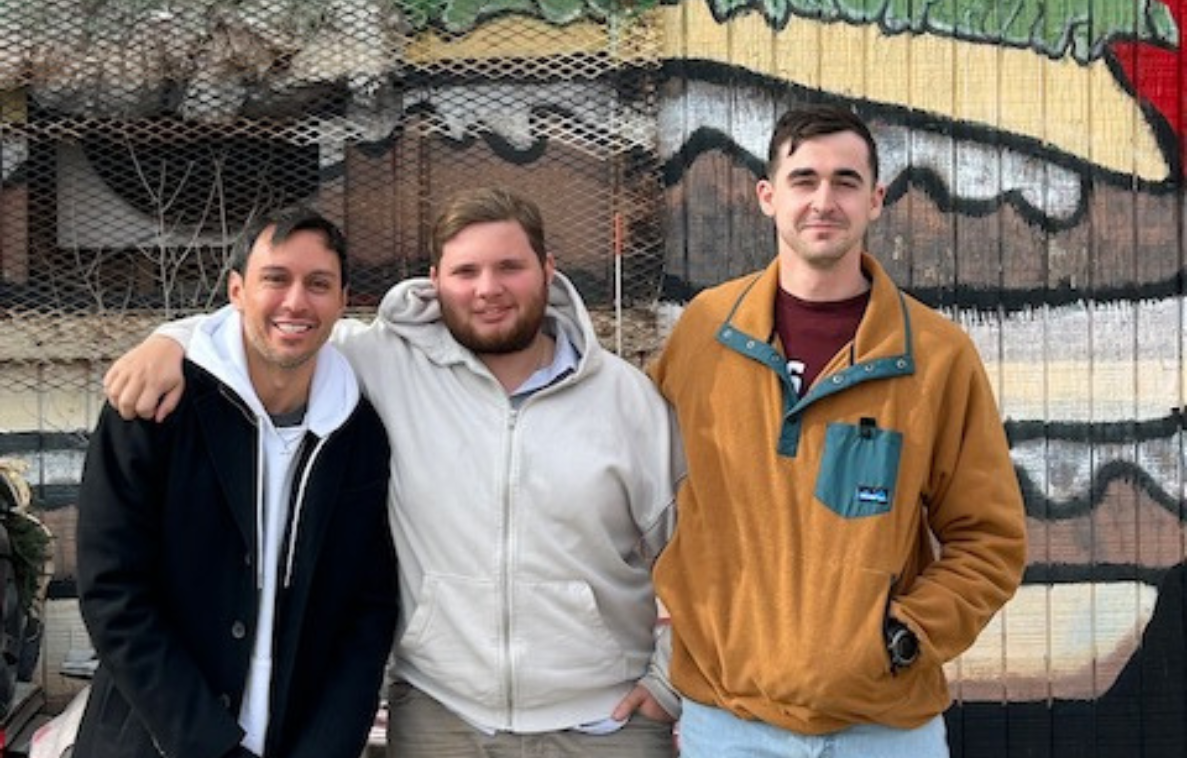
column 851, row 519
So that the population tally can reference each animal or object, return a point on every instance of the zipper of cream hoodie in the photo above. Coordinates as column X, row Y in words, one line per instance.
column 509, row 551
column 506, row 569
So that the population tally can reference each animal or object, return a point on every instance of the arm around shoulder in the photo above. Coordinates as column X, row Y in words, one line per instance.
column 147, row 381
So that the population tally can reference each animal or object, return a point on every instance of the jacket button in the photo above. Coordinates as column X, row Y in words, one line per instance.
column 238, row 631
column 225, row 701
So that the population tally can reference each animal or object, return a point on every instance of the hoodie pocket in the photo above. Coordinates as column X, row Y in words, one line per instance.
column 562, row 646
column 454, row 637
column 859, row 465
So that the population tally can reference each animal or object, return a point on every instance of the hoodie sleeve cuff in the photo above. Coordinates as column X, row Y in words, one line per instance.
column 180, row 330
column 656, row 681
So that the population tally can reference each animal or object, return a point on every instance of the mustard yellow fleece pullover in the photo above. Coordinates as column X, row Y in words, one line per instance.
column 887, row 490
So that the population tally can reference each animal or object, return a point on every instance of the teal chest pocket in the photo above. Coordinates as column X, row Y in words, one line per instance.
column 858, row 469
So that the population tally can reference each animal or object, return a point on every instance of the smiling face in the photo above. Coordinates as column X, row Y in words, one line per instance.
column 822, row 197
column 492, row 288
column 290, row 296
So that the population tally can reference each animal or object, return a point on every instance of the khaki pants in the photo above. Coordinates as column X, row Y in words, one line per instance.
column 421, row 727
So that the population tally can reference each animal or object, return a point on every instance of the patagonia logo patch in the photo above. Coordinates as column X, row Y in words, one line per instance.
column 873, row 495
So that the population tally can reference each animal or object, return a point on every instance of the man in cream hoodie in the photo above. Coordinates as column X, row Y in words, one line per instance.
column 235, row 573
column 533, row 480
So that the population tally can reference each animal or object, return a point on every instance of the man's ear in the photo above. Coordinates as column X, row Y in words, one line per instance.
column 766, row 197
column 877, row 201
column 236, row 288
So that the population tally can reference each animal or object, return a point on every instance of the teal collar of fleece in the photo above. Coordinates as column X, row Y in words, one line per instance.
column 763, row 351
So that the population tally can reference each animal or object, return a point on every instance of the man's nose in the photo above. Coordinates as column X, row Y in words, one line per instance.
column 295, row 297
column 488, row 282
column 822, row 196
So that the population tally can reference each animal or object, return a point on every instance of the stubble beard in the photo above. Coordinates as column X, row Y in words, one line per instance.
column 272, row 357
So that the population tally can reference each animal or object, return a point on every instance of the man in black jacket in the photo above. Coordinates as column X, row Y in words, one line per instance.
column 236, row 570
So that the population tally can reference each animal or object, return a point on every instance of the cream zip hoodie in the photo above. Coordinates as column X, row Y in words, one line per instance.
column 525, row 533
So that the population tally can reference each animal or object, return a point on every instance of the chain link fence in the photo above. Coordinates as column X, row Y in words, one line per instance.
column 138, row 136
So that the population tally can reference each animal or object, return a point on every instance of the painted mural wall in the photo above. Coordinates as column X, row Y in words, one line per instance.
column 1034, row 154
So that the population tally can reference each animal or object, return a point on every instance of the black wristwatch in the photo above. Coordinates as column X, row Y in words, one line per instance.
column 902, row 645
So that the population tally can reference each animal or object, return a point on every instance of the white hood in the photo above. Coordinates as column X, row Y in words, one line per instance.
column 218, row 347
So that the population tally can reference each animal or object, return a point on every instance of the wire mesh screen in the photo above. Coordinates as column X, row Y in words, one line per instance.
column 138, row 136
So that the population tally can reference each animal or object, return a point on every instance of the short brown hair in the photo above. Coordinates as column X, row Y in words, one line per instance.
column 484, row 205
column 816, row 120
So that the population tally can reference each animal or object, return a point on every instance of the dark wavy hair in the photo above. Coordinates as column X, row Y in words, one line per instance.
column 817, row 120
column 286, row 222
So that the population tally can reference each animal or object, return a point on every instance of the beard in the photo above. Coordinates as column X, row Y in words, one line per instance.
column 513, row 340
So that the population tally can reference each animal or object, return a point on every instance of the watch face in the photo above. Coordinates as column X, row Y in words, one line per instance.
column 906, row 646
column 902, row 645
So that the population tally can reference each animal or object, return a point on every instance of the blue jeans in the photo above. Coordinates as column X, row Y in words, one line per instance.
column 707, row 732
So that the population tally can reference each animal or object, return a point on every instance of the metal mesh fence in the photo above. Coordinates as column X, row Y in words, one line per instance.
column 138, row 136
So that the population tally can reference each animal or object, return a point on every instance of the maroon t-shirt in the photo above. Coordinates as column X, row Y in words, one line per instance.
column 812, row 333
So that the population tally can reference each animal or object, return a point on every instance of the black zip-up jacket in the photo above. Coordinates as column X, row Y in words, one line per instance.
column 167, row 583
